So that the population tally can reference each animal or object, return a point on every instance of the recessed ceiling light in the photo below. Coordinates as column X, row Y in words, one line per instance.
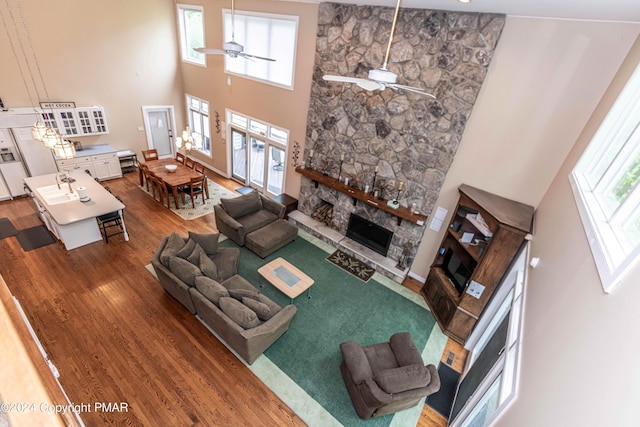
column 464, row 1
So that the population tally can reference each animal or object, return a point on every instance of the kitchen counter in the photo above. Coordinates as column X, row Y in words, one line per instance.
column 74, row 222
column 93, row 150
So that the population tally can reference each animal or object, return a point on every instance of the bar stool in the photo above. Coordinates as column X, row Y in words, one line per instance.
column 109, row 221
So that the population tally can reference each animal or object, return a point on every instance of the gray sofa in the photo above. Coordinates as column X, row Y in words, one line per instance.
column 255, row 221
column 203, row 278
column 385, row 378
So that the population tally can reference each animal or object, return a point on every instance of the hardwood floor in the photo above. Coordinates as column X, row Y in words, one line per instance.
column 116, row 336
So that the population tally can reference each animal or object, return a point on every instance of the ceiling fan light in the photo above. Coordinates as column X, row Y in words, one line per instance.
column 382, row 75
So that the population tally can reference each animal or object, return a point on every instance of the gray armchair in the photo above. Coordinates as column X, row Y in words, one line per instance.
column 388, row 377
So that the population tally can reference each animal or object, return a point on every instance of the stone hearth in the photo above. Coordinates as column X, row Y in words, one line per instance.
column 383, row 265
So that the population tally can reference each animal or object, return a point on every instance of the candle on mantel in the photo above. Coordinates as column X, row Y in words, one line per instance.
column 311, row 153
column 400, row 186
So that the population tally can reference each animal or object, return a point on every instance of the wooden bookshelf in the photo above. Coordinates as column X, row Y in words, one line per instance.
column 402, row 212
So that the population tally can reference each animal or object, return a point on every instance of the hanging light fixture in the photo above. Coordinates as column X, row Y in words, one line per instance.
column 39, row 131
column 64, row 149
column 189, row 140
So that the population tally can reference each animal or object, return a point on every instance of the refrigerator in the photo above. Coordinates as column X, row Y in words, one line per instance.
column 22, row 156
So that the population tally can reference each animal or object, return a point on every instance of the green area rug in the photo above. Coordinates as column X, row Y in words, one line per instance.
column 303, row 366
column 186, row 212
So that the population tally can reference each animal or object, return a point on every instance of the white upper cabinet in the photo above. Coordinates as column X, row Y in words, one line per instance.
column 80, row 121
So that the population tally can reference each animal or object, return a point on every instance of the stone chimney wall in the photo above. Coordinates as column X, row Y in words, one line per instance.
column 410, row 138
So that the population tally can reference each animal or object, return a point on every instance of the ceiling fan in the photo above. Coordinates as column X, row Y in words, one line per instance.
column 380, row 78
column 231, row 48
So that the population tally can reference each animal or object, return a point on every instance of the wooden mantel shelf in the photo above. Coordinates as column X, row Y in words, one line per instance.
column 356, row 194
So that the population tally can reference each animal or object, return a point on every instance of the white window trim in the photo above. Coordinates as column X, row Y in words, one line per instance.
column 295, row 46
column 188, row 103
column 610, row 276
column 608, row 254
column 181, row 37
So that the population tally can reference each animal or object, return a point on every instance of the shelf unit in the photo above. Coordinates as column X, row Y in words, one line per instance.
column 509, row 223
column 401, row 212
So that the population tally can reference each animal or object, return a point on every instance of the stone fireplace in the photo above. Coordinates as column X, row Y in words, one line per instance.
column 398, row 144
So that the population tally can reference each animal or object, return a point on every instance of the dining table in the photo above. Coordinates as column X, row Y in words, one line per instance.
column 181, row 177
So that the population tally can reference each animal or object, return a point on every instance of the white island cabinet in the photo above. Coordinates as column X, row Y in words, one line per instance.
column 73, row 222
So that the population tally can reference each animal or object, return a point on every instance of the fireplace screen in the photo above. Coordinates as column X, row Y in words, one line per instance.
column 369, row 234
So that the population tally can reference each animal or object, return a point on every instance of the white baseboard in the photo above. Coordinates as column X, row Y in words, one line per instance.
column 417, row 277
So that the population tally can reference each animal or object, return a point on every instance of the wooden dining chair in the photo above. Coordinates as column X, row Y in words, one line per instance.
column 163, row 191
column 150, row 155
column 190, row 163
column 195, row 187
column 180, row 158
column 145, row 174
column 199, row 167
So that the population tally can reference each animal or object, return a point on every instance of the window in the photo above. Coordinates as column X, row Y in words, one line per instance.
column 266, row 35
column 605, row 183
column 191, row 25
column 490, row 382
column 198, row 112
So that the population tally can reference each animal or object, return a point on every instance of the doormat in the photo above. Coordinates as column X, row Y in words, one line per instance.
column 351, row 265
column 35, row 237
column 6, row 228
column 244, row 190
column 442, row 401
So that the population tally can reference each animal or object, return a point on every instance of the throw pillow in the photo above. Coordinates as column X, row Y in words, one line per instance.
column 208, row 242
column 263, row 312
column 239, row 313
column 208, row 267
column 174, row 244
column 243, row 293
column 242, row 205
column 185, row 271
column 211, row 289
column 403, row 378
column 187, row 249
column 273, row 307
column 194, row 256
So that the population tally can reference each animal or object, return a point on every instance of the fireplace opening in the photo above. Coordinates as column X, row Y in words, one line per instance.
column 369, row 234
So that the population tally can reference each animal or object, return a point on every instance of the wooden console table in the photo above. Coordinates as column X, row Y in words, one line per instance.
column 356, row 194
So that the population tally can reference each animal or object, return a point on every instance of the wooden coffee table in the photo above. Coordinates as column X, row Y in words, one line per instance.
column 286, row 278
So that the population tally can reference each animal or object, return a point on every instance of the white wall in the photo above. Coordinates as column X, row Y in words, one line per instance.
column 545, row 80
column 580, row 345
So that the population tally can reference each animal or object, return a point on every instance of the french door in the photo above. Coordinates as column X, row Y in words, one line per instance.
column 258, row 153
column 159, row 123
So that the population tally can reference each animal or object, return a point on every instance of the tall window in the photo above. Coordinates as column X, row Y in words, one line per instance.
column 191, row 23
column 605, row 183
column 266, row 35
column 198, row 111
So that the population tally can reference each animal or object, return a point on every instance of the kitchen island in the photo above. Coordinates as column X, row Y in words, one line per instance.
column 71, row 220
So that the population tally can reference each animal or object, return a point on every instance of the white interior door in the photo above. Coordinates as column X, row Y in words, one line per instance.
column 159, row 122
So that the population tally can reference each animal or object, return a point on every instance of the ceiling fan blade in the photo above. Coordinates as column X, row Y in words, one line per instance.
column 365, row 84
column 248, row 56
column 411, row 89
column 209, row 51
